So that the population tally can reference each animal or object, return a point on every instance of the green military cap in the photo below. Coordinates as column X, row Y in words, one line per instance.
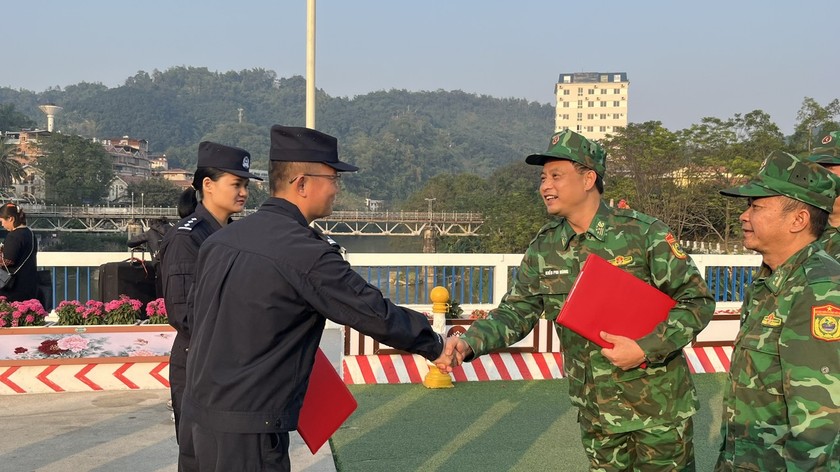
column 828, row 152
column 784, row 174
column 571, row 146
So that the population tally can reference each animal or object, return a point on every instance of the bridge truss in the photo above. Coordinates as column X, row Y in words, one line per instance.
column 55, row 219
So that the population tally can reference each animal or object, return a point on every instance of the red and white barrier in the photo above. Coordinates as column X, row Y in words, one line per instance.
column 405, row 368
column 84, row 377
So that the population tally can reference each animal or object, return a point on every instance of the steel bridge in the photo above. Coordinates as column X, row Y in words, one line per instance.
column 101, row 219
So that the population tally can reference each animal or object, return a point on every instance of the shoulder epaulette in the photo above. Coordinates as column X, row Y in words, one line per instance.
column 555, row 223
column 633, row 214
column 821, row 267
column 189, row 224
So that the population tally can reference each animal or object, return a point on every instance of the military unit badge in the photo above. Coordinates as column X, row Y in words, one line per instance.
column 826, row 139
column 675, row 246
column 825, row 322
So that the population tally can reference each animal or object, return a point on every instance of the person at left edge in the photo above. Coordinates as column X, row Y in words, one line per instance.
column 265, row 287
column 219, row 189
column 20, row 254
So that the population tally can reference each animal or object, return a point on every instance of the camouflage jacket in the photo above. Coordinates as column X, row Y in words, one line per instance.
column 616, row 400
column 830, row 241
column 782, row 407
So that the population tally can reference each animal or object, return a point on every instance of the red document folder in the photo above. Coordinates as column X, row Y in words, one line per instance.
column 327, row 404
column 606, row 298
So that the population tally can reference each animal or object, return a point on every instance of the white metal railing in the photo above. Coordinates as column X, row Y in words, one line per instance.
column 476, row 280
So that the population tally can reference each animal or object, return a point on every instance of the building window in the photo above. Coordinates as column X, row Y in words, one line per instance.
column 580, row 103
column 578, row 128
column 603, row 91
column 591, row 91
column 589, row 129
column 604, row 78
column 580, row 116
column 616, row 116
column 616, row 104
column 603, row 129
column 567, row 79
column 616, row 91
column 603, row 104
column 603, row 116
column 590, row 116
column 590, row 104
column 567, row 92
column 617, row 78
column 580, row 91
column 565, row 104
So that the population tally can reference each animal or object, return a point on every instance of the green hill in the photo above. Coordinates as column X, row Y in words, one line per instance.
column 400, row 139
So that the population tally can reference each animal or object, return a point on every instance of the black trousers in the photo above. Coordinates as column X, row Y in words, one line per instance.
column 178, row 376
column 215, row 451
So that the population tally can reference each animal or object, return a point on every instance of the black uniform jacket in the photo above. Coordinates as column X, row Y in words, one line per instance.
column 264, row 288
column 178, row 256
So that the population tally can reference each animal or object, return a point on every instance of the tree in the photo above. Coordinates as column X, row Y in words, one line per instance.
column 647, row 160
column 12, row 120
column 77, row 171
column 10, row 168
column 814, row 119
column 156, row 192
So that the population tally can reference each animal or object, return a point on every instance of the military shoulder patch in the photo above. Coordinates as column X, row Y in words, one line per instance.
column 825, row 322
column 675, row 246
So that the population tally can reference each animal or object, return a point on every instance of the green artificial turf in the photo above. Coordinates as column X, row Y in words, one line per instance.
column 485, row 426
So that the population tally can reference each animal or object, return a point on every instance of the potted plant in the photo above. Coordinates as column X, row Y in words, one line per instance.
column 156, row 312
column 24, row 313
column 123, row 310
column 70, row 312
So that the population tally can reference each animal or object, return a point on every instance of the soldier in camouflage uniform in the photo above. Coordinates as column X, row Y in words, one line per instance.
column 828, row 156
column 782, row 407
column 635, row 401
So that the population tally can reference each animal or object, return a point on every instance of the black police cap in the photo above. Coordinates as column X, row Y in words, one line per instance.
column 230, row 159
column 293, row 144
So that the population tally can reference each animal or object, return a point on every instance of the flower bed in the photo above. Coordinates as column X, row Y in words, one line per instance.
column 95, row 346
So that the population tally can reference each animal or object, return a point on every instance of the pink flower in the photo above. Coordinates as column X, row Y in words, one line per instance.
column 73, row 343
column 30, row 318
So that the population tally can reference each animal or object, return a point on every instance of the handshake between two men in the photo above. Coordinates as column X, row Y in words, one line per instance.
column 625, row 353
column 455, row 350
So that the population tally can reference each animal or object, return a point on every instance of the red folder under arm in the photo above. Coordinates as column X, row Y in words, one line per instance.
column 327, row 404
column 606, row 298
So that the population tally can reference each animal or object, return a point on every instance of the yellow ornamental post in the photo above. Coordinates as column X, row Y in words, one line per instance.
column 440, row 301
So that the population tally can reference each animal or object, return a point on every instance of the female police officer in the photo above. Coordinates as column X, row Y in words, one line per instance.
column 219, row 189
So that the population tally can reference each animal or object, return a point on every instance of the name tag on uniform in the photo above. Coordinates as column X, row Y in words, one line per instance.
column 550, row 272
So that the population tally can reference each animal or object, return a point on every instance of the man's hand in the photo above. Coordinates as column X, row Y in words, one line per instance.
column 625, row 354
column 454, row 351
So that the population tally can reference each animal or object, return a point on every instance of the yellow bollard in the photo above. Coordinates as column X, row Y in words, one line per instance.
column 440, row 298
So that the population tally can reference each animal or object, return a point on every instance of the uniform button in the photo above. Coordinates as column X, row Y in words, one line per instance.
column 278, row 423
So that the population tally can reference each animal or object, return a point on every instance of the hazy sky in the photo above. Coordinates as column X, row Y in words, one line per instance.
column 685, row 60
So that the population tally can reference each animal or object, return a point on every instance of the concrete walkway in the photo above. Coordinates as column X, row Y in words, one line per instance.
column 111, row 431
column 105, row 431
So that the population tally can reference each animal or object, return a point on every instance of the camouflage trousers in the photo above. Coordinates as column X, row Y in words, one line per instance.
column 668, row 447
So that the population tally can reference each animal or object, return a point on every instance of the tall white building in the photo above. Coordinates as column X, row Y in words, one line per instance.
column 593, row 104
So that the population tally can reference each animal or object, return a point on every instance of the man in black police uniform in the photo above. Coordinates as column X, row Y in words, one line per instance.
column 264, row 289
column 220, row 183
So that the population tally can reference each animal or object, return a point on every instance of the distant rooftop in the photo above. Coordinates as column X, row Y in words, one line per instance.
column 592, row 77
